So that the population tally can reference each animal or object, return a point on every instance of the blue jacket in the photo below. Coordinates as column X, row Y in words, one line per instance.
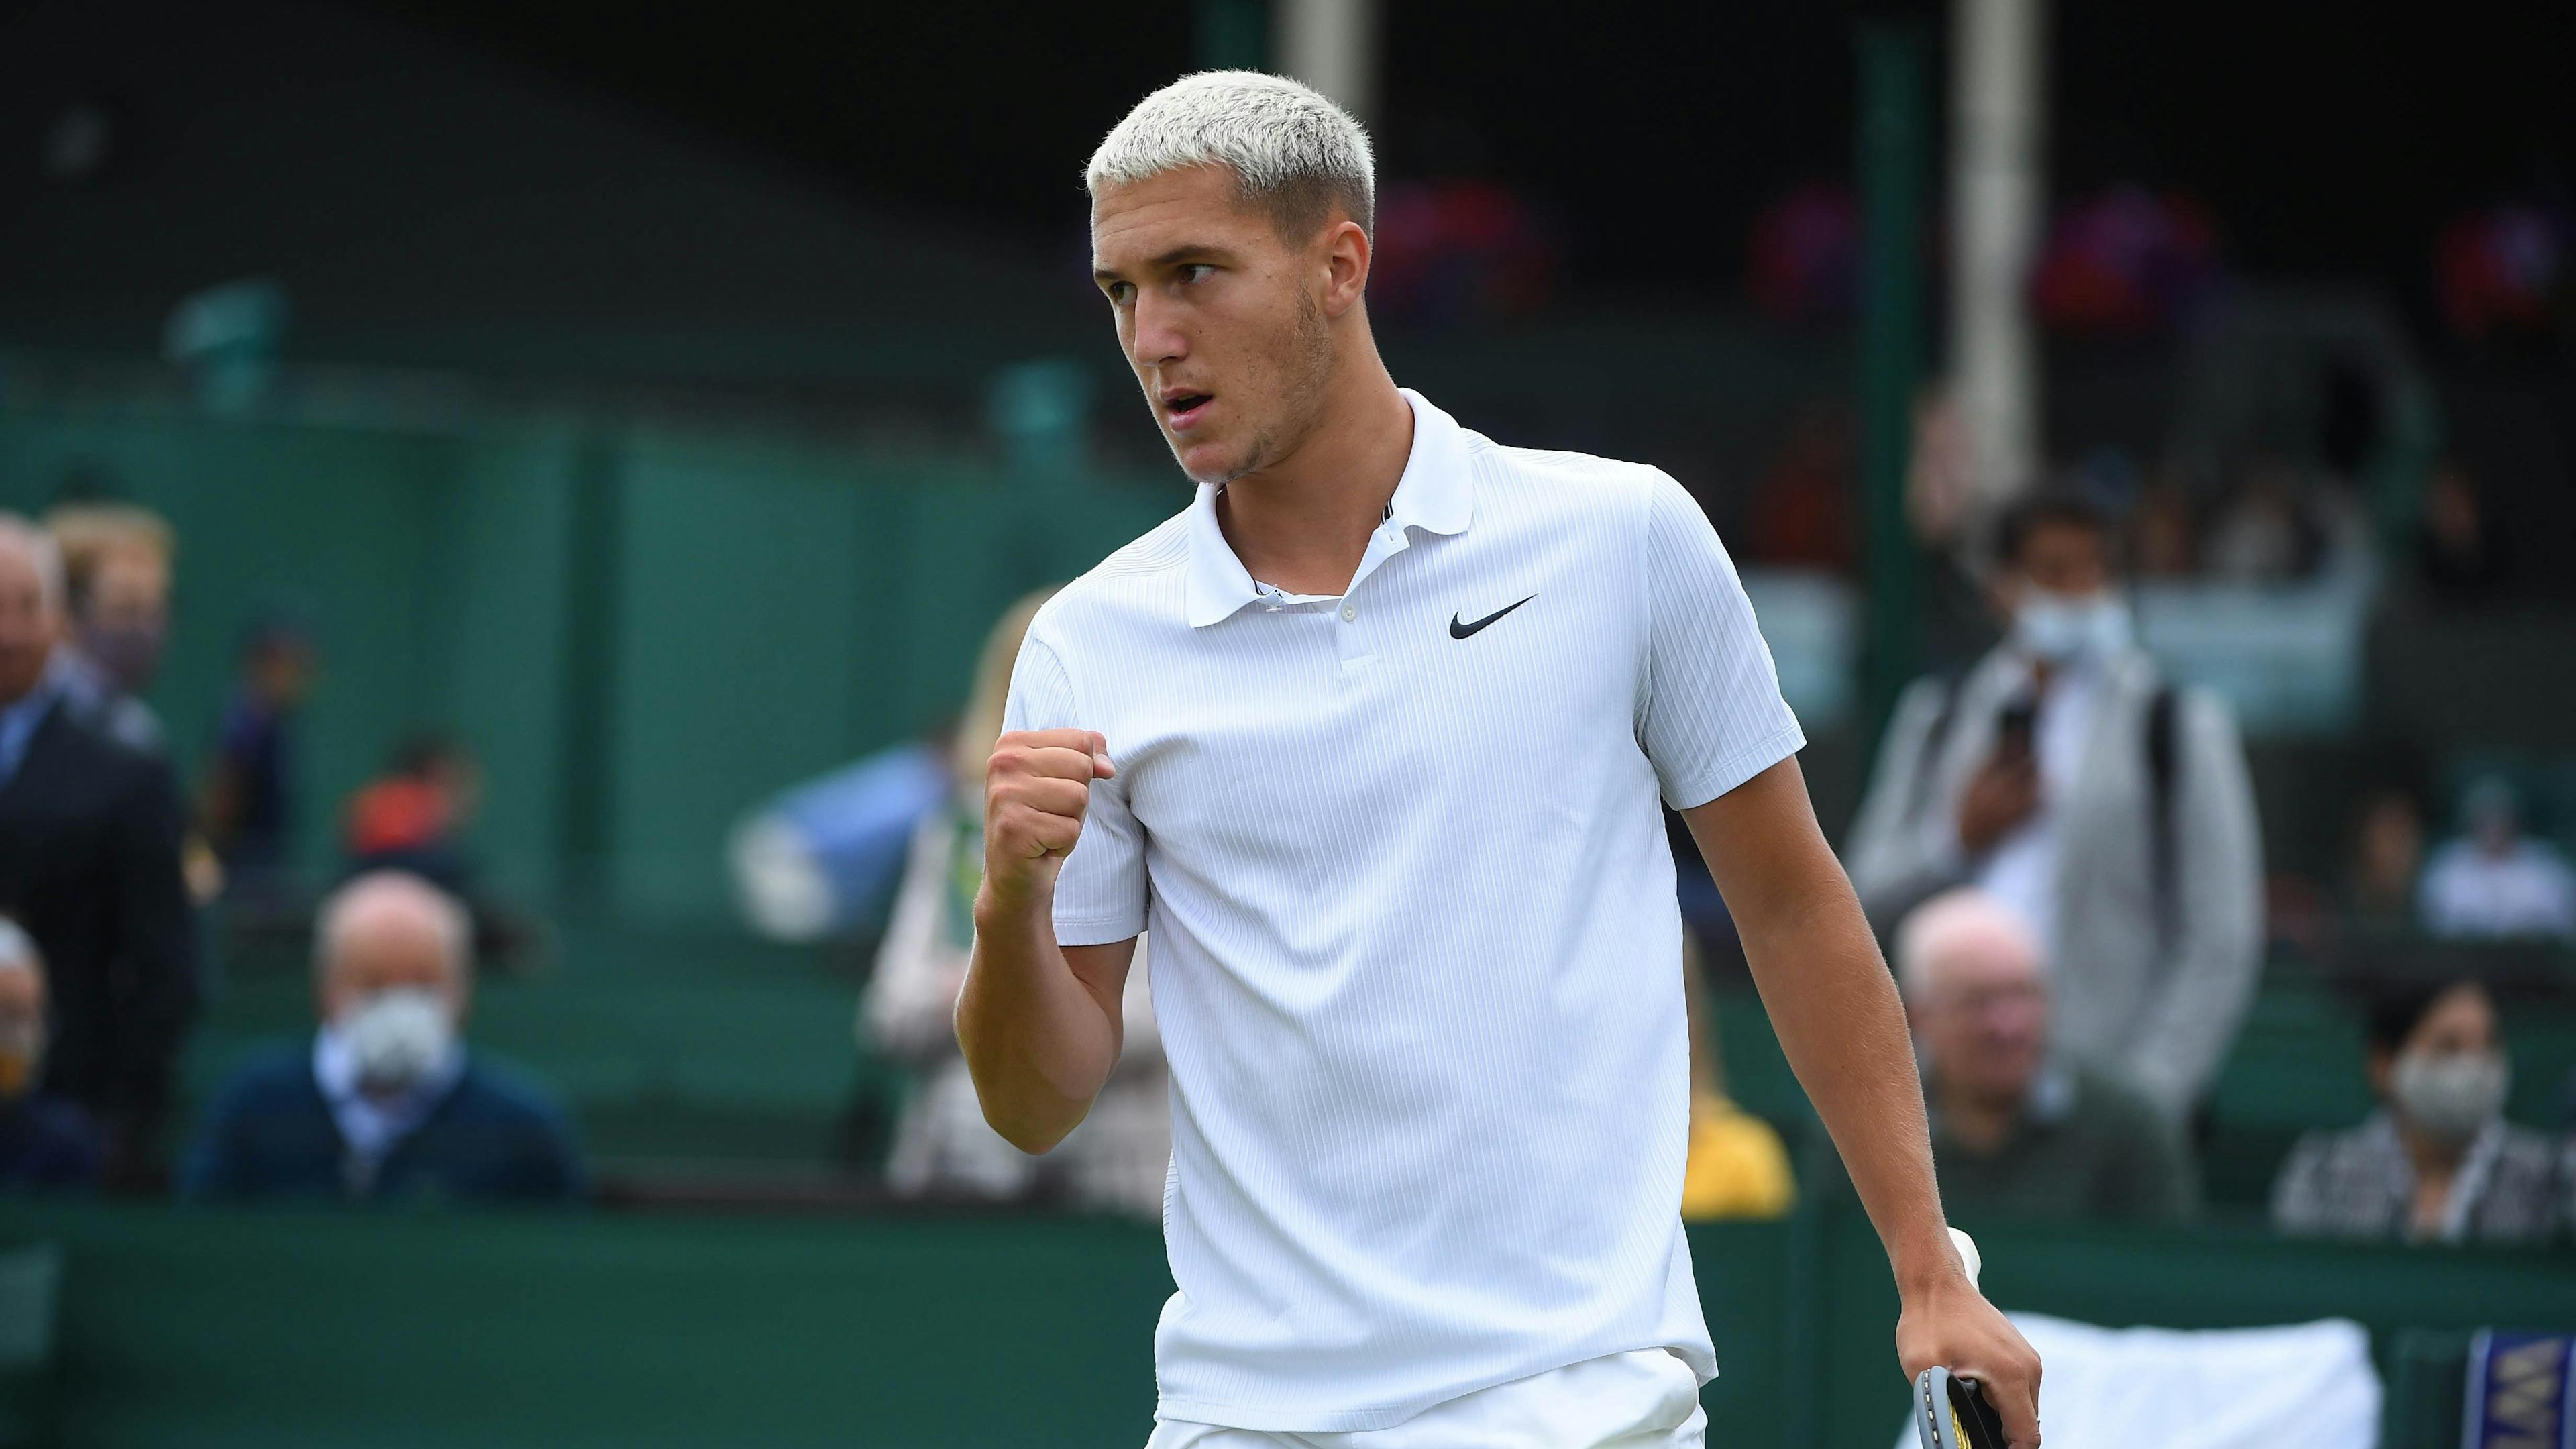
column 492, row 1138
column 46, row 1142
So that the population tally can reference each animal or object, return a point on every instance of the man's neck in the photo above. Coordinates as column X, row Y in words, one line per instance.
column 1303, row 523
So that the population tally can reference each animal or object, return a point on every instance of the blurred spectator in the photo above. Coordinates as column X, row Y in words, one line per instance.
column 1118, row 1158
column 2463, row 557
column 1803, row 263
column 2501, row 270
column 249, row 803
column 2125, row 262
column 116, row 563
column 1458, row 250
column 2110, row 808
column 1737, row 1166
column 45, row 1142
column 1802, row 508
column 386, row 1102
column 2163, row 530
column 2438, row 1162
column 90, row 867
column 2387, row 856
column 2272, row 530
column 2013, row 1131
column 2497, row 883
column 412, row 817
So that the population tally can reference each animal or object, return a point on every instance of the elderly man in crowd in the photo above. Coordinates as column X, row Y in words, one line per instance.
column 45, row 1142
column 90, row 833
column 2013, row 1131
column 386, row 1102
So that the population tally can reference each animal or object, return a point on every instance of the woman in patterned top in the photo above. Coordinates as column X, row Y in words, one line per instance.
column 2438, row 1163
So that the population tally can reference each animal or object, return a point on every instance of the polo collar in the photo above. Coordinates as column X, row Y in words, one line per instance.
column 1436, row 494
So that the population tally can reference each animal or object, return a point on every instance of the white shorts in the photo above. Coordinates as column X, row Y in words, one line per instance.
column 1645, row 1399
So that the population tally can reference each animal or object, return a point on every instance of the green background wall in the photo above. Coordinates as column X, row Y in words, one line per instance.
column 642, row 632
column 296, row 1328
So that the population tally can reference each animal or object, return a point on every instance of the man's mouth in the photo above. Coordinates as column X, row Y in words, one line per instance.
column 1183, row 409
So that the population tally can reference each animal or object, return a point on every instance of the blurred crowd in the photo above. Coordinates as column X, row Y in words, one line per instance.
column 2058, row 842
column 107, row 861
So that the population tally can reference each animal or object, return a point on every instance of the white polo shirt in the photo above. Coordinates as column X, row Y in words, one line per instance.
column 1416, row 955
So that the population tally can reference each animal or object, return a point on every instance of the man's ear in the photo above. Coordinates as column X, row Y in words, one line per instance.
column 1347, row 254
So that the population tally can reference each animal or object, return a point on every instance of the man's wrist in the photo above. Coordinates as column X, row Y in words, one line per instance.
column 999, row 905
column 1926, row 1263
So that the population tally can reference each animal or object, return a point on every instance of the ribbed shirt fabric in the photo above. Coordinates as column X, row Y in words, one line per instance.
column 1416, row 954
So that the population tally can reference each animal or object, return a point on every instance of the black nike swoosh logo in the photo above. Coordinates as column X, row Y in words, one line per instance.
column 1458, row 630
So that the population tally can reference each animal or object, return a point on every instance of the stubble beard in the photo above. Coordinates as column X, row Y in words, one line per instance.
column 1305, row 380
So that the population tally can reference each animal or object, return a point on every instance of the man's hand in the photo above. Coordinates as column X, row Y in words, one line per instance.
column 1036, row 787
column 2003, row 794
column 1947, row 1322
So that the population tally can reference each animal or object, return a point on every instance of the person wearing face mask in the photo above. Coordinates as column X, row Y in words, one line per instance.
column 45, row 1141
column 2437, row 1163
column 2112, row 810
column 386, row 1102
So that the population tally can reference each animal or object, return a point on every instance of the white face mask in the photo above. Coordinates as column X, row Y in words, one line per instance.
column 2451, row 1096
column 2058, row 629
column 397, row 1037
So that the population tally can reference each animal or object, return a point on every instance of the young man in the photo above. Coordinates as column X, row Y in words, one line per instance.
column 1390, row 707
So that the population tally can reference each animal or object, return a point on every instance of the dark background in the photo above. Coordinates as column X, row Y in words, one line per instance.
column 2326, row 140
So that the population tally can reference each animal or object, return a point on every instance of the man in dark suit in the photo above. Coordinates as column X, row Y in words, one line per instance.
column 90, row 865
column 386, row 1102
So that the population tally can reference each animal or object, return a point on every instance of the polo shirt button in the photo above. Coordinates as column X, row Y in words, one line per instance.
column 1349, row 612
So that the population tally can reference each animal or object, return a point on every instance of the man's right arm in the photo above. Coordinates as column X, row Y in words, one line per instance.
column 1039, row 1023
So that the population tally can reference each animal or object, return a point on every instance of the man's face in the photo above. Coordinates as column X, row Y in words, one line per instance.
column 1221, row 319
column 2068, row 560
column 29, row 621
column 1985, row 1021
column 390, row 954
column 129, row 613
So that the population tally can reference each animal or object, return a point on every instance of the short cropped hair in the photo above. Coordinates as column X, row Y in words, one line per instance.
column 1294, row 154
column 2055, row 507
column 2393, row 1009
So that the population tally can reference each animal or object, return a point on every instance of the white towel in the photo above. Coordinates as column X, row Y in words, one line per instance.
column 2305, row 1386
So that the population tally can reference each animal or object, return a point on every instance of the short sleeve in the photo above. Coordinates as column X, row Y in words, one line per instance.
column 1709, row 711
column 1100, row 893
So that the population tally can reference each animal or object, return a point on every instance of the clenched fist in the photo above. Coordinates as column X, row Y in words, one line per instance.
column 1036, row 787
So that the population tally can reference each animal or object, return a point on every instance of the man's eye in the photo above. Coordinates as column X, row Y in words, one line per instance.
column 1196, row 272
column 1118, row 291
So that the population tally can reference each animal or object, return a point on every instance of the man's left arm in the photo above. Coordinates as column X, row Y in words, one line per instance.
column 1835, row 1008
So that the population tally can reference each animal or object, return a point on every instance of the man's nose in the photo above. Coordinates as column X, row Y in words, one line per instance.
column 1159, row 338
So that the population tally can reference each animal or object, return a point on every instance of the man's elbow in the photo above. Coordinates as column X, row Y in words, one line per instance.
column 1033, row 1132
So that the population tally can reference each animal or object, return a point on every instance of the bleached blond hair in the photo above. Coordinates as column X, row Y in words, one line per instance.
column 1294, row 154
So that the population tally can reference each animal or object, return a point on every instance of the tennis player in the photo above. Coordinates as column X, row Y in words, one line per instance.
column 1371, row 737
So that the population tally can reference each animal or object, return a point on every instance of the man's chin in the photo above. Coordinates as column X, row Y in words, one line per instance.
column 1206, row 464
